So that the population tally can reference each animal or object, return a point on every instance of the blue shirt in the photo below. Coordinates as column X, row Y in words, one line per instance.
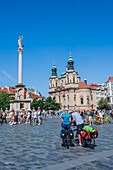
column 65, row 118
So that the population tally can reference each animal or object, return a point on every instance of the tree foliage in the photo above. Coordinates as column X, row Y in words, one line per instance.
column 103, row 104
column 48, row 104
column 5, row 100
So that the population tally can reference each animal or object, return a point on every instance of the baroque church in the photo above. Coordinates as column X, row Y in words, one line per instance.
column 69, row 91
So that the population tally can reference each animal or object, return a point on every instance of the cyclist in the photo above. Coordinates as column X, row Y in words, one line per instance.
column 79, row 122
column 66, row 120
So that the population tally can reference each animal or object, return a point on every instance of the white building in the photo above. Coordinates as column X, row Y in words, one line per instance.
column 100, row 92
column 109, row 92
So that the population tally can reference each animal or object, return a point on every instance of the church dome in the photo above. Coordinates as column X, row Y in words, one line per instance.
column 54, row 71
column 70, row 65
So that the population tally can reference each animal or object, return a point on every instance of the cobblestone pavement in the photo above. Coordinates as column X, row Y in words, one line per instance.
column 26, row 146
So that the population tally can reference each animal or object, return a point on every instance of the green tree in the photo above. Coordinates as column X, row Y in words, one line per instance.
column 103, row 104
column 5, row 100
column 37, row 103
column 51, row 104
column 48, row 104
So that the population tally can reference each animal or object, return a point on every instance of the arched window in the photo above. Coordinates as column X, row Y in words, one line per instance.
column 75, row 97
column 88, row 100
column 82, row 101
column 56, row 83
column 74, row 79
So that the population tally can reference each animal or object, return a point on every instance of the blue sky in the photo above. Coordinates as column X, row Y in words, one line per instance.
column 50, row 30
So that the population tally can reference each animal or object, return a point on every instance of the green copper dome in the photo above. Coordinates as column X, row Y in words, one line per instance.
column 54, row 71
column 70, row 65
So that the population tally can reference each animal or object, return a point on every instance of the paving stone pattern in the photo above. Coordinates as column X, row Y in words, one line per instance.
column 26, row 146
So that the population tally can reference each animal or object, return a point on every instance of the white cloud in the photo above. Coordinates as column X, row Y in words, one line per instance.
column 8, row 76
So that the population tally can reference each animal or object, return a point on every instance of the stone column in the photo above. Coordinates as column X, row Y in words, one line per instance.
column 20, row 82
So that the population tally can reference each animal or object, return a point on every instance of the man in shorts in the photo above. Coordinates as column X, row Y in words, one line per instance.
column 79, row 122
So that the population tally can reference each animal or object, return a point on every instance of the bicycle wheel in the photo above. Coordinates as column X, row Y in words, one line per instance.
column 90, row 143
column 67, row 140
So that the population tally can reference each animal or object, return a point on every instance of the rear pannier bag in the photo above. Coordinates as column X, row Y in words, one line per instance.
column 95, row 133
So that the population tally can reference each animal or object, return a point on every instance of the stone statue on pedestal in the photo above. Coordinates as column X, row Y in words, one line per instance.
column 27, row 95
column 16, row 95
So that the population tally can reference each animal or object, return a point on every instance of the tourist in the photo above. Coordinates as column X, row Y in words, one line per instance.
column 34, row 117
column 79, row 122
column 16, row 118
column 12, row 117
column 1, row 118
column 66, row 121
column 21, row 116
column 91, row 118
column 28, row 120
column 101, row 116
column 4, row 117
column 39, row 116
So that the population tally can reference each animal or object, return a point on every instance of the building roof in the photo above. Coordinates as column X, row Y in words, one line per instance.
column 82, row 84
column 110, row 79
column 4, row 89
column 12, row 90
column 32, row 95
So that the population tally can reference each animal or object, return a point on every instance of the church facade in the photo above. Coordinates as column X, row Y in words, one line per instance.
column 69, row 91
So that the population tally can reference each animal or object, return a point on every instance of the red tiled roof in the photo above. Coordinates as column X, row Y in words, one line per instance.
column 94, row 84
column 12, row 90
column 82, row 84
column 34, row 95
column 110, row 79
column 4, row 89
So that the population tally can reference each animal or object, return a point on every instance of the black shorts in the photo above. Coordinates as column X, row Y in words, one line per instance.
column 79, row 128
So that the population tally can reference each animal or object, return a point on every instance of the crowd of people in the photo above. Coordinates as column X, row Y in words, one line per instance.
column 21, row 117
column 93, row 116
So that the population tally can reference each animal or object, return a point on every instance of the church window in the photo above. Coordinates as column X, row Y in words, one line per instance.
column 68, row 97
column 74, row 97
column 67, row 79
column 73, row 79
column 87, row 100
column 91, row 98
column 82, row 102
column 59, row 98
column 64, row 106
column 68, row 106
column 62, row 82
column 56, row 83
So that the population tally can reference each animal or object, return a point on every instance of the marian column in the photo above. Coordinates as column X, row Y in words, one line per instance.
column 20, row 51
column 20, row 86
column 20, row 101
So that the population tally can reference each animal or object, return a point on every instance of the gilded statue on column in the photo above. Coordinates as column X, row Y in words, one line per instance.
column 20, row 41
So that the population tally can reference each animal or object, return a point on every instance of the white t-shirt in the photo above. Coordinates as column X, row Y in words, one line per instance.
column 28, row 114
column 76, row 116
column 35, row 114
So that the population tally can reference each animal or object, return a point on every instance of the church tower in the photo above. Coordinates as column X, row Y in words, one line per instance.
column 54, row 71
column 53, row 78
column 70, row 66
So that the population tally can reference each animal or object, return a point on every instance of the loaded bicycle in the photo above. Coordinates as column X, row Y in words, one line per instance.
column 88, row 135
column 67, row 135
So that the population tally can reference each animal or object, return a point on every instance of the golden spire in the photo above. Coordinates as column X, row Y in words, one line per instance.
column 70, row 54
